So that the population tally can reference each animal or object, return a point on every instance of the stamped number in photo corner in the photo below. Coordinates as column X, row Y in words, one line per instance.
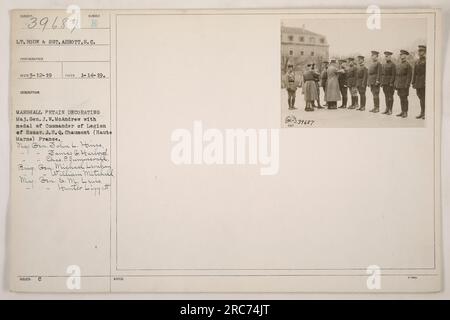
column 292, row 121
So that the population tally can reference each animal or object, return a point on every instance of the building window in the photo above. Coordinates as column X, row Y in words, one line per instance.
column 312, row 40
column 322, row 40
column 291, row 38
column 291, row 52
column 312, row 53
column 302, row 53
column 302, row 39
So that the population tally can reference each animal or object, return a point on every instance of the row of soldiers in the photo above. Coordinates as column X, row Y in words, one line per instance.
column 345, row 77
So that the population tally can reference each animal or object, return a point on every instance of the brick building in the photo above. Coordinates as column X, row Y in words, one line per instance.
column 300, row 46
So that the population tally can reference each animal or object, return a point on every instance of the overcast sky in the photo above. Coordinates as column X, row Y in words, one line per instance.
column 351, row 36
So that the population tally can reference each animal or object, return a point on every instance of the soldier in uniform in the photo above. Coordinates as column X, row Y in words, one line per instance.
column 387, row 81
column 291, row 86
column 351, row 82
column 403, row 81
column 309, row 87
column 323, row 80
column 317, row 80
column 418, row 79
column 343, row 83
column 373, row 81
column 361, row 82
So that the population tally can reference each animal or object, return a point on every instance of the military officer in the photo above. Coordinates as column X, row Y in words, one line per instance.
column 342, row 77
column 361, row 82
column 317, row 81
column 418, row 79
column 323, row 80
column 403, row 81
column 333, row 93
column 291, row 86
column 374, row 80
column 309, row 87
column 387, row 81
column 351, row 82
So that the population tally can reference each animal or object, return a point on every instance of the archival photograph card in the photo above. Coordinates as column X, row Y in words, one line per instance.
column 225, row 150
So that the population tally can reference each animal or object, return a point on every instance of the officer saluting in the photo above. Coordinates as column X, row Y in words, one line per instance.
column 418, row 79
column 374, row 79
column 402, row 82
column 388, row 71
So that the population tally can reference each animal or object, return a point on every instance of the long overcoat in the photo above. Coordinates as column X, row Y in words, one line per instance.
column 333, row 92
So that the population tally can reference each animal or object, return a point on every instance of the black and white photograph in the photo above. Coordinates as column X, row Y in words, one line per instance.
column 354, row 72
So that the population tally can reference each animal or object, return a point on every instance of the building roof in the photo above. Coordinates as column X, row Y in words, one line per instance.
column 301, row 31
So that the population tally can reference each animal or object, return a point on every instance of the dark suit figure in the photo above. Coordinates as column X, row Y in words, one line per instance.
column 351, row 82
column 388, row 71
column 374, row 80
column 342, row 78
column 361, row 82
column 402, row 82
column 418, row 80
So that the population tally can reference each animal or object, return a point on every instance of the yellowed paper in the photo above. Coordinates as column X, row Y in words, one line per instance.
column 156, row 151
